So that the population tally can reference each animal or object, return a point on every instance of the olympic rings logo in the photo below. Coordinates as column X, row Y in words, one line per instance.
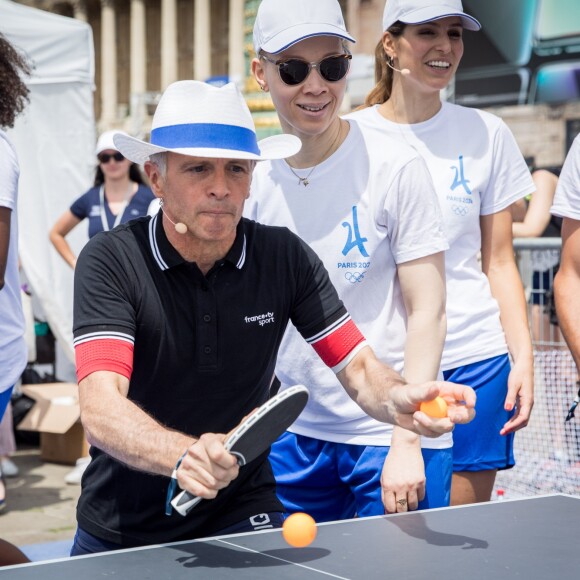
column 458, row 210
column 354, row 277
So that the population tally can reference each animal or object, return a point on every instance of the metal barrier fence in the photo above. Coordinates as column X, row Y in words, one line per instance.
column 547, row 451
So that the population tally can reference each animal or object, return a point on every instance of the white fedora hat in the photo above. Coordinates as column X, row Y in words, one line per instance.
column 202, row 120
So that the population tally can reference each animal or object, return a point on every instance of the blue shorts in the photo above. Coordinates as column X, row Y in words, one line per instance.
column 4, row 400
column 334, row 481
column 85, row 543
column 478, row 446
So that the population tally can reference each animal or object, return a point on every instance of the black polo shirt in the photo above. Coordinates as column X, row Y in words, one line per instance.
column 204, row 350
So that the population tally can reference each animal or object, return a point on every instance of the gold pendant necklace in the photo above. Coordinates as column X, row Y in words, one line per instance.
column 305, row 180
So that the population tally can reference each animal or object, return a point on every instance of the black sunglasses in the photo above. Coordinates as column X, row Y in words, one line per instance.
column 294, row 70
column 106, row 157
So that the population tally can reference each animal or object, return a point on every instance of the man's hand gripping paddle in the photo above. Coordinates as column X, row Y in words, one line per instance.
column 255, row 434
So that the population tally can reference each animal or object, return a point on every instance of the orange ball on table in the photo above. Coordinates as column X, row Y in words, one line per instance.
column 299, row 530
column 436, row 408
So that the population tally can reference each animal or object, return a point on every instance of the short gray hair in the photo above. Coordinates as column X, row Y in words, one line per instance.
column 160, row 160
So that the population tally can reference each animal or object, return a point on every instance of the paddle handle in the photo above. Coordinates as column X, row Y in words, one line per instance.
column 184, row 502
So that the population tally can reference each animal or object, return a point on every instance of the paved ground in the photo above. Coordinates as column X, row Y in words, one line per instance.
column 41, row 506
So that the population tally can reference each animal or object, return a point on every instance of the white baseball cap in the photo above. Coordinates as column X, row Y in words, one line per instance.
column 281, row 23
column 421, row 11
column 105, row 141
column 201, row 120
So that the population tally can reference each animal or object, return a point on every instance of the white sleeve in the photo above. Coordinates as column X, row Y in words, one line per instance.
column 509, row 176
column 9, row 173
column 567, row 197
column 412, row 214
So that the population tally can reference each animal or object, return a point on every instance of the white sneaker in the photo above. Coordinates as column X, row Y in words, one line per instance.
column 74, row 477
column 8, row 467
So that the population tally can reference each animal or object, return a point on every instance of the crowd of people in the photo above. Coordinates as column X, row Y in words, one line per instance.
column 367, row 257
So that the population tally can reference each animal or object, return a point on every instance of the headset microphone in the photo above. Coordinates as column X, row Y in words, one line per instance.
column 180, row 227
column 404, row 71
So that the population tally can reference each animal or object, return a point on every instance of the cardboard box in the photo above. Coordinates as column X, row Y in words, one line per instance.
column 56, row 416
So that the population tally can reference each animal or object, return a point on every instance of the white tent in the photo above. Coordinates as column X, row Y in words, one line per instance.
column 54, row 139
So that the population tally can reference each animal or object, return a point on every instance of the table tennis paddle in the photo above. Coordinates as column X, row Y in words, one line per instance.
column 255, row 434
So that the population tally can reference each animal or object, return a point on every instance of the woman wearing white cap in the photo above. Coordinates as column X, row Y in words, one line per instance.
column 478, row 173
column 366, row 205
column 117, row 196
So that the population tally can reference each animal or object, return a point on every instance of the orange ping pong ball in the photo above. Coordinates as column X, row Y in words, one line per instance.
column 435, row 408
column 299, row 530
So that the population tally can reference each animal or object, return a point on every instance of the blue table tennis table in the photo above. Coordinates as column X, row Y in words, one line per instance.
column 534, row 538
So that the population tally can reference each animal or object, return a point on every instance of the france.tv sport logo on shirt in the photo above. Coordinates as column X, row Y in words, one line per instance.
column 261, row 319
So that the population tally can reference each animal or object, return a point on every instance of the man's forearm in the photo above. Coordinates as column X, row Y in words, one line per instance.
column 385, row 396
column 367, row 381
column 120, row 428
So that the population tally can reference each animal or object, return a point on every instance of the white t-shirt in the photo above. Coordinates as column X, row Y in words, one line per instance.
column 367, row 208
column 477, row 169
column 567, row 196
column 13, row 350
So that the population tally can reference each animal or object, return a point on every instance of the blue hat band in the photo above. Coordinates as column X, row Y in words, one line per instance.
column 207, row 136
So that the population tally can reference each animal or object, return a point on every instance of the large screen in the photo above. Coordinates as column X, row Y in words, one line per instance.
column 528, row 51
column 558, row 22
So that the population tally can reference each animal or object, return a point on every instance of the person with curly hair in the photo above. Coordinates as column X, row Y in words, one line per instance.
column 13, row 349
column 13, row 89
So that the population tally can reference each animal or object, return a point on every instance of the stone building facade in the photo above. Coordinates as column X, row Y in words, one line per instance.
column 141, row 46
column 544, row 132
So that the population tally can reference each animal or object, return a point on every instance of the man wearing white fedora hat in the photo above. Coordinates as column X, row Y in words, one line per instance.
column 177, row 322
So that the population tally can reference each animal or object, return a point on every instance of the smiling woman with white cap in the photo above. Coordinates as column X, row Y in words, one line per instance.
column 117, row 196
column 478, row 173
column 353, row 196
column 178, row 318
